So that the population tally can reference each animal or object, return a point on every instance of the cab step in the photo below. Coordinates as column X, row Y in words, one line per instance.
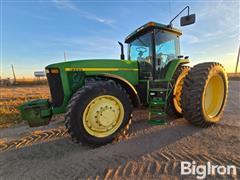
column 157, row 101
column 159, row 89
column 161, row 113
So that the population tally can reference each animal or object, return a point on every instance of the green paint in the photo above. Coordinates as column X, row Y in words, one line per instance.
column 173, row 66
column 73, row 78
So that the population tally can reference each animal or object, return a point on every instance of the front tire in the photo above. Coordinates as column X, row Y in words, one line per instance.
column 98, row 112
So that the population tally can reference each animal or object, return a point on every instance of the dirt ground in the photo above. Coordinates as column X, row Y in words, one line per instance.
column 149, row 152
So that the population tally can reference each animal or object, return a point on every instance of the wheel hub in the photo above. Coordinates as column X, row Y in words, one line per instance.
column 106, row 117
column 103, row 116
column 213, row 97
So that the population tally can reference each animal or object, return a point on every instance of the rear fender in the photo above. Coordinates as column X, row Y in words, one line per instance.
column 173, row 66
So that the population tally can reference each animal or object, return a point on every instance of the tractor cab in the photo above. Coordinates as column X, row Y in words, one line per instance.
column 153, row 45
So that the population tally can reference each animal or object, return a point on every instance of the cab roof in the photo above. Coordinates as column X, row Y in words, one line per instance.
column 149, row 26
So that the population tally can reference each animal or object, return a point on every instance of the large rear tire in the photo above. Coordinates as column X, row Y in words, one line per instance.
column 97, row 113
column 174, row 107
column 204, row 94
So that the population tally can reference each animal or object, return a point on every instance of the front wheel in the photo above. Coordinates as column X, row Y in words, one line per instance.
column 96, row 113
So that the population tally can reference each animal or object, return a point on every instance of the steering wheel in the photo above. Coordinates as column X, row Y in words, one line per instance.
column 141, row 49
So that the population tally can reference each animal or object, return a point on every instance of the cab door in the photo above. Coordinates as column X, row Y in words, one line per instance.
column 141, row 50
column 166, row 49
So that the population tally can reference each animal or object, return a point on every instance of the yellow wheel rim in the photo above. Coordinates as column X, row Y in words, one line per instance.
column 213, row 96
column 178, row 90
column 103, row 116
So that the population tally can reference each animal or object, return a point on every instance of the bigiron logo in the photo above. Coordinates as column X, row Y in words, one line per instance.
column 201, row 171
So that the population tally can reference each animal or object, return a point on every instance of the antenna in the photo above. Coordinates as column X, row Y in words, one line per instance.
column 65, row 56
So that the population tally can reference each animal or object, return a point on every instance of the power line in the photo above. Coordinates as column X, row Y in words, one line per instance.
column 237, row 59
column 14, row 75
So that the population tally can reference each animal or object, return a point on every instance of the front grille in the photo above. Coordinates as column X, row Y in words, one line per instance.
column 56, row 89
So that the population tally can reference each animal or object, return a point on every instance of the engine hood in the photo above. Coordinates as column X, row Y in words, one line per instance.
column 98, row 64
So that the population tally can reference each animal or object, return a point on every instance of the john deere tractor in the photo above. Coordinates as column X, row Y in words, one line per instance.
column 98, row 96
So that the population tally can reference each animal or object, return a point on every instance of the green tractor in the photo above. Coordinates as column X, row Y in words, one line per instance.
column 98, row 96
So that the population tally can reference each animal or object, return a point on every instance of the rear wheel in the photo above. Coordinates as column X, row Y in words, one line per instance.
column 98, row 112
column 204, row 94
column 174, row 107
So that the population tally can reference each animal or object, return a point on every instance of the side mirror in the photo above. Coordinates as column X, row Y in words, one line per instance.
column 187, row 20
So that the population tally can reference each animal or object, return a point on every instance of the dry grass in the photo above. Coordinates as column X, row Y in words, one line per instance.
column 24, row 81
column 13, row 96
column 31, row 81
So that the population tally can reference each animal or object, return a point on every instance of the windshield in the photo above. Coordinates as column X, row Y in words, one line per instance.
column 167, row 47
column 141, row 48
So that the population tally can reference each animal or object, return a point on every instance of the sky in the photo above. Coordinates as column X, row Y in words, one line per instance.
column 36, row 33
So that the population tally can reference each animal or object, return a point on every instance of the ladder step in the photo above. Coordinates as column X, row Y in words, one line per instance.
column 159, row 89
column 157, row 113
column 161, row 80
column 156, row 102
column 157, row 99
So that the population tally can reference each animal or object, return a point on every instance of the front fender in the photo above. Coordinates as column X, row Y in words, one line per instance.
column 126, row 85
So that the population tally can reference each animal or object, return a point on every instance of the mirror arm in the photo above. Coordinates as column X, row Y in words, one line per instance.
column 170, row 24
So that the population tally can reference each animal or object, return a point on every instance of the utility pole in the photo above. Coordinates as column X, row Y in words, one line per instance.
column 237, row 59
column 65, row 56
column 14, row 76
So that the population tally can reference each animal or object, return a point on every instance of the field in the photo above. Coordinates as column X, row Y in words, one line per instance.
column 148, row 152
column 13, row 96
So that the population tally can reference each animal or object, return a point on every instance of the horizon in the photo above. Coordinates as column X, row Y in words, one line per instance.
column 35, row 34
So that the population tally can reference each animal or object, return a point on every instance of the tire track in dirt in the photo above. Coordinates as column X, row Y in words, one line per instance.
column 168, row 163
column 116, row 165
column 34, row 137
column 157, row 163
